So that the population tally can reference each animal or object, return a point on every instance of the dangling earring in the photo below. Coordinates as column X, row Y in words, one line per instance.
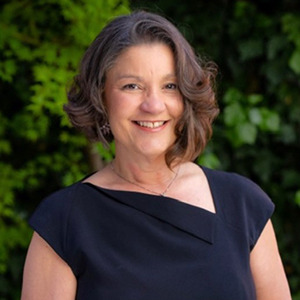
column 105, row 129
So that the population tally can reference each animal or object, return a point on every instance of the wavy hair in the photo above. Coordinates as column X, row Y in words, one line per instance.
column 196, row 78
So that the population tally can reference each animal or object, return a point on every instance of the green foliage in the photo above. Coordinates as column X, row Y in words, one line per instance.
column 291, row 26
column 297, row 197
column 244, row 118
column 41, row 43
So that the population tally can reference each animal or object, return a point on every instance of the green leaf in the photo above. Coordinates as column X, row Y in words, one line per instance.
column 275, row 45
column 247, row 133
column 255, row 99
column 250, row 49
column 8, row 68
column 273, row 122
column 288, row 134
column 255, row 116
column 234, row 114
column 294, row 61
column 297, row 198
column 270, row 120
column 291, row 26
column 233, row 95
column 210, row 160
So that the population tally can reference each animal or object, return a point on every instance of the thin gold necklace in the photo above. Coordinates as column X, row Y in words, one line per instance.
column 142, row 187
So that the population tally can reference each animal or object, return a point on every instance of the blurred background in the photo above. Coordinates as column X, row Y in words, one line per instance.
column 256, row 45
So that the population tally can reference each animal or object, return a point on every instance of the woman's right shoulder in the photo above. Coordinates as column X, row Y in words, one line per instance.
column 60, row 202
column 67, row 193
column 64, row 194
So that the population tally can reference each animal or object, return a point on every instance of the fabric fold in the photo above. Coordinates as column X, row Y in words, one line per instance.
column 193, row 220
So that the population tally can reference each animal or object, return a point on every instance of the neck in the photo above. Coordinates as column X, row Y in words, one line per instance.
column 144, row 169
column 145, row 173
column 160, row 189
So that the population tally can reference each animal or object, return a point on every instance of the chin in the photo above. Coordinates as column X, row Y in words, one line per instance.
column 154, row 151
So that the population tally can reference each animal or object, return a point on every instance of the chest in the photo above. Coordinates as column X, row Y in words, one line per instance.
column 195, row 191
column 135, row 254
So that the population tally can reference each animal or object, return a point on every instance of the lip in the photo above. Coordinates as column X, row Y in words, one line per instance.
column 152, row 126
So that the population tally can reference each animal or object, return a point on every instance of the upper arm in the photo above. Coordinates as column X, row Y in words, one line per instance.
column 267, row 269
column 46, row 275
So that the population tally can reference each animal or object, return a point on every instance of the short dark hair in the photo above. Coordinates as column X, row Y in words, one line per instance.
column 86, row 107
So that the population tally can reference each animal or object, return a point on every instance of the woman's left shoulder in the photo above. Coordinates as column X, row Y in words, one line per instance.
column 234, row 185
column 240, row 201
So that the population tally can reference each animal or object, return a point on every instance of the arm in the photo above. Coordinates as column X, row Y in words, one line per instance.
column 46, row 276
column 267, row 268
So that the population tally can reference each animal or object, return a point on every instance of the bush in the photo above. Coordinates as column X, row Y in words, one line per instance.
column 41, row 43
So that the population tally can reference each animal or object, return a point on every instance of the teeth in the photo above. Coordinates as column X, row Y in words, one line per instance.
column 150, row 124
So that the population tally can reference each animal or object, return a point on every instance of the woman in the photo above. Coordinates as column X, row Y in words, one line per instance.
column 152, row 224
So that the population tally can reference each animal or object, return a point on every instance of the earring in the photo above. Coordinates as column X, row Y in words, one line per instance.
column 105, row 129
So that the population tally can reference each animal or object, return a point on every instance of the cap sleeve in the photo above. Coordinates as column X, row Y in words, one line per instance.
column 241, row 203
column 50, row 220
column 247, row 206
column 258, row 210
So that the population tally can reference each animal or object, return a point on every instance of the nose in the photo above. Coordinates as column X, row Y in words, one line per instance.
column 153, row 102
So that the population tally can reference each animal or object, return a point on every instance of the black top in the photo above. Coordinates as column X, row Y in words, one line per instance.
column 124, row 245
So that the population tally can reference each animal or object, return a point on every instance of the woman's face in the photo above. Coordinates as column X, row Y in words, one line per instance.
column 143, row 100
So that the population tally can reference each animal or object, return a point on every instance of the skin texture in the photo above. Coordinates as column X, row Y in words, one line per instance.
column 141, row 90
column 142, row 86
column 267, row 268
column 46, row 275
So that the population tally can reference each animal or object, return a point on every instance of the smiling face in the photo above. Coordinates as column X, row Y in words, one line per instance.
column 143, row 100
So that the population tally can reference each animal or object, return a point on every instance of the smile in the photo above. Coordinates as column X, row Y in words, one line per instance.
column 150, row 124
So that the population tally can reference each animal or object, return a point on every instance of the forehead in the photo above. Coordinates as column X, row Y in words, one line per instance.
column 156, row 56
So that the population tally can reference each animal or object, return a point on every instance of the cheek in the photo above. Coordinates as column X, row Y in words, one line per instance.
column 115, row 104
column 179, row 107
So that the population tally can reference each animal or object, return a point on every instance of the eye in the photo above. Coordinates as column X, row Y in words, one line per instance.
column 171, row 86
column 130, row 86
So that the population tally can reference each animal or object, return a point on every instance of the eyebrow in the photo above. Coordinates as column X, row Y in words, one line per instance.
column 129, row 76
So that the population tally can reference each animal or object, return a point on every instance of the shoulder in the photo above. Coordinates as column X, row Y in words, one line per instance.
column 56, row 208
column 234, row 186
column 240, row 202
column 60, row 199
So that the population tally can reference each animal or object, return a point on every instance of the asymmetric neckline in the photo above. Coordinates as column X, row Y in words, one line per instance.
column 189, row 218
column 138, row 194
column 135, row 245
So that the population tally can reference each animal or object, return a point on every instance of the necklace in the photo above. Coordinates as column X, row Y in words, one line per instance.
column 142, row 187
